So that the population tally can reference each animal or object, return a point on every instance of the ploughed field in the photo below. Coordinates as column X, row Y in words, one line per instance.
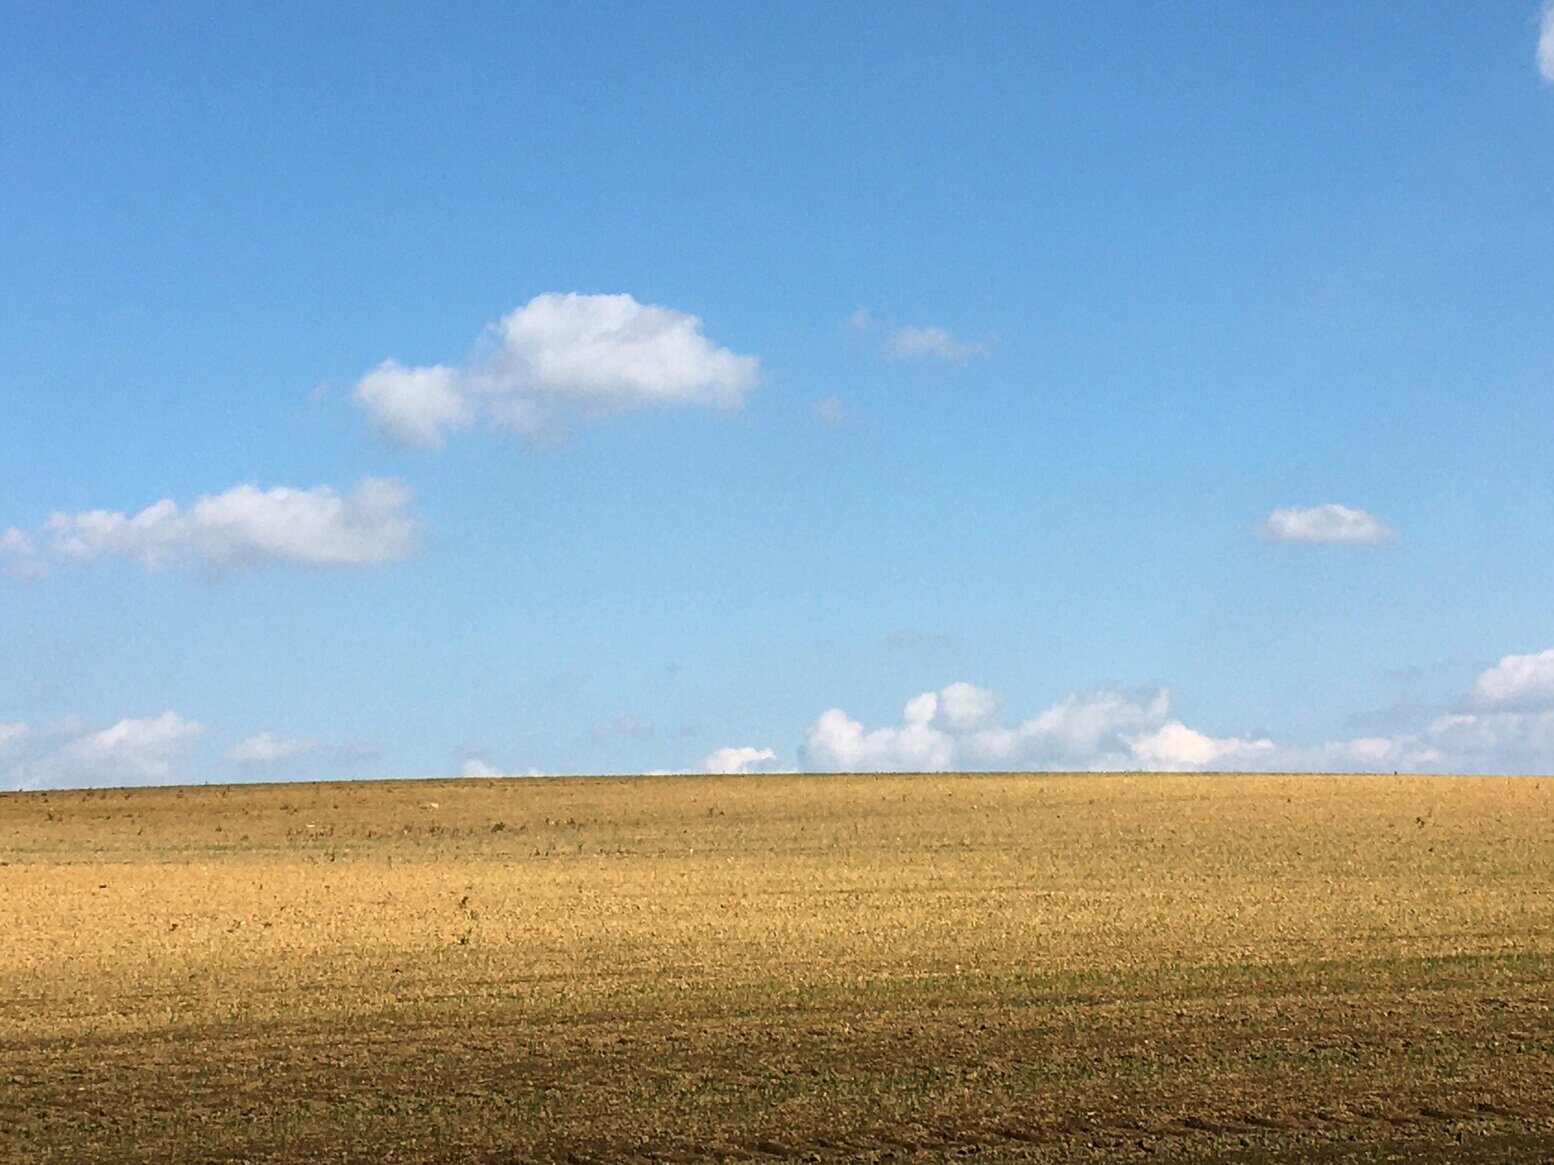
column 1002, row 968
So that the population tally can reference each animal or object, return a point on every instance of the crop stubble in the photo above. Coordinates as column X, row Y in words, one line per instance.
column 1016, row 967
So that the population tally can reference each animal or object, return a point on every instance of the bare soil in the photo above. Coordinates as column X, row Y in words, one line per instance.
column 994, row 967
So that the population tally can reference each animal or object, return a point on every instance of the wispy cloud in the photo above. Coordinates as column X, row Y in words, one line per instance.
column 1325, row 523
column 1546, row 43
column 554, row 362
column 265, row 749
column 916, row 343
column 244, row 526
column 911, row 343
column 830, row 411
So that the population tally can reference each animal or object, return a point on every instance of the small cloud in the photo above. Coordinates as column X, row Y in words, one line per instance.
column 557, row 361
column 413, row 406
column 11, row 734
column 737, row 760
column 860, row 320
column 910, row 343
column 244, row 526
column 266, row 749
column 1325, row 523
column 475, row 767
column 830, row 412
column 1546, row 44
column 20, row 554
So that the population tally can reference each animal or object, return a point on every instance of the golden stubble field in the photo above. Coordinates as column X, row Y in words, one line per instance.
column 1000, row 967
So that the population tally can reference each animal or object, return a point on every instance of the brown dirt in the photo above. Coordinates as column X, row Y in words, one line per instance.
column 1005, row 968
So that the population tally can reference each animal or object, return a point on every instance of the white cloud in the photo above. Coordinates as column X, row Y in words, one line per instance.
column 909, row 343
column 11, row 734
column 1517, row 683
column 66, row 754
column 475, row 767
column 244, row 526
column 957, row 728
column 830, row 412
column 1325, row 523
column 1546, row 44
column 1091, row 731
column 18, row 543
column 266, row 749
column 555, row 361
column 1503, row 723
column 838, row 743
column 132, row 751
column 1175, row 746
column 963, row 707
column 413, row 405
column 1487, row 742
column 737, row 760
column 860, row 320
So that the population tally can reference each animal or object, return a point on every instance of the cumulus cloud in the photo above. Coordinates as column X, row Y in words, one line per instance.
column 244, row 526
column 914, row 343
column 1517, row 683
column 1325, row 523
column 413, row 406
column 556, row 361
column 265, row 749
column 1546, row 44
column 475, row 767
column 861, row 320
column 10, row 734
column 738, row 760
column 131, row 751
column 1503, row 723
column 958, row 727
column 1175, row 746
column 68, row 754
column 963, row 707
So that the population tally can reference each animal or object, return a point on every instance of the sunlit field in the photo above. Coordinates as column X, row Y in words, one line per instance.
column 1001, row 967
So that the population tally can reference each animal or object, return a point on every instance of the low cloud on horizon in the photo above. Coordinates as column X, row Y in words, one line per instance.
column 1504, row 723
column 68, row 754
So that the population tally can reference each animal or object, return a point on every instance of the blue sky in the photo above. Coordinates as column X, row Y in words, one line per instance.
column 587, row 388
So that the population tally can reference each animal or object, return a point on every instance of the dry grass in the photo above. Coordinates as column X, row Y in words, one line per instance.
column 1023, row 967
